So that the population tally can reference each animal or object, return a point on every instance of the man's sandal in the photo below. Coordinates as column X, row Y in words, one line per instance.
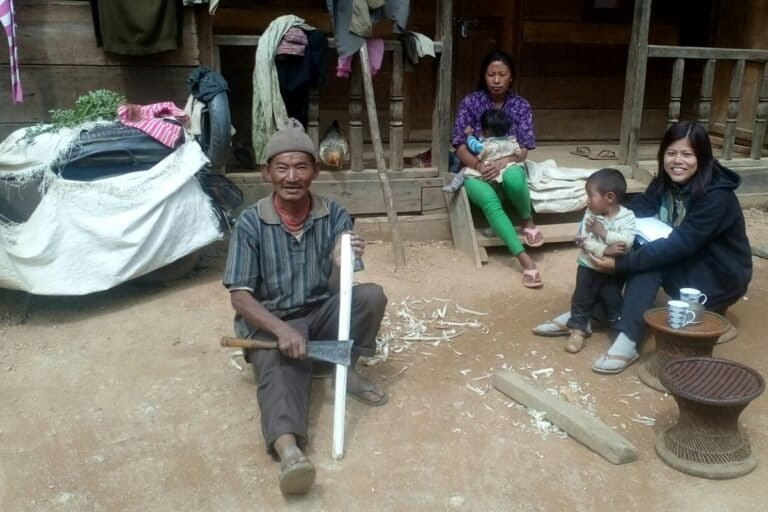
column 366, row 389
column 296, row 477
column 533, row 237
column 622, row 360
column 532, row 278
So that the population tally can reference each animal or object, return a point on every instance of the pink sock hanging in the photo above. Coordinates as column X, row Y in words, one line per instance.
column 9, row 24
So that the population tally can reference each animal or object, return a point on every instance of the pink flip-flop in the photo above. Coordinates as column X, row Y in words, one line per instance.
column 535, row 281
column 532, row 233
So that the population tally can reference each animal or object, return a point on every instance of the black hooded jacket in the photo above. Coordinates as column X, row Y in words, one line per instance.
column 709, row 249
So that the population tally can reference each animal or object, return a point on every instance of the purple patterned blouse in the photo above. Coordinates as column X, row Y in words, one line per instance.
column 517, row 108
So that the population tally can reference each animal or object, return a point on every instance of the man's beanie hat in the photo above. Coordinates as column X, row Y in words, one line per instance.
column 291, row 137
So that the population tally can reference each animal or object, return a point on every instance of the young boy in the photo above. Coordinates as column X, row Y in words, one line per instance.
column 495, row 144
column 607, row 229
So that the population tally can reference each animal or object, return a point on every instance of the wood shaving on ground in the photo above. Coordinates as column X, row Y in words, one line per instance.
column 645, row 420
column 234, row 364
column 480, row 391
column 395, row 374
column 418, row 321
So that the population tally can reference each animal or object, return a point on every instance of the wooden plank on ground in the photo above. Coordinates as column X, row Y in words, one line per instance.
column 586, row 429
column 553, row 233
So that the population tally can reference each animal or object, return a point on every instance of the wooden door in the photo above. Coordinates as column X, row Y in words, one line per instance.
column 479, row 27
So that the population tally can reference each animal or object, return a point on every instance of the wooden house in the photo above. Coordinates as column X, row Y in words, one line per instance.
column 606, row 73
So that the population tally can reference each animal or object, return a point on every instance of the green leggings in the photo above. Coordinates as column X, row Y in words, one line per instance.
column 486, row 196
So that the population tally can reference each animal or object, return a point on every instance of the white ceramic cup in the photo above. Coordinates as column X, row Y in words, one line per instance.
column 679, row 314
column 693, row 295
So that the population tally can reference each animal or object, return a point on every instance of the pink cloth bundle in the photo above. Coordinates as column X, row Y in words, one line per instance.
column 375, row 58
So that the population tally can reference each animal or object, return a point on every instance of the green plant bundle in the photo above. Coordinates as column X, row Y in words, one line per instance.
column 95, row 105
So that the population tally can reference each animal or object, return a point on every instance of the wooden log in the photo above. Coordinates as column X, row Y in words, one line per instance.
column 378, row 149
column 676, row 91
column 734, row 98
column 588, row 430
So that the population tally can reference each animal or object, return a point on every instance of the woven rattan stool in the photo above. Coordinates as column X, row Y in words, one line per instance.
column 671, row 344
column 711, row 393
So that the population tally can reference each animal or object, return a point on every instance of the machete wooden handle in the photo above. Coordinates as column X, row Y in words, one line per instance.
column 229, row 341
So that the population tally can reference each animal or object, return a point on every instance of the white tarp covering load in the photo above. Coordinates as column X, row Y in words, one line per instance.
column 88, row 236
column 556, row 189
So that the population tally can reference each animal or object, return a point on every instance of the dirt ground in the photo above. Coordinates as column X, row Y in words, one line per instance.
column 123, row 400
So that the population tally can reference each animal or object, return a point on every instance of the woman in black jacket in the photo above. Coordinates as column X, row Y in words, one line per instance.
column 707, row 249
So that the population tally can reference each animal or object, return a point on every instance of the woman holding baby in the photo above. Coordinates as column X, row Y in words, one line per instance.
column 491, row 182
column 707, row 248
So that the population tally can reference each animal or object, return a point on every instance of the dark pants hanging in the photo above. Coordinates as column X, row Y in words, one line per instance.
column 640, row 295
column 284, row 383
column 594, row 288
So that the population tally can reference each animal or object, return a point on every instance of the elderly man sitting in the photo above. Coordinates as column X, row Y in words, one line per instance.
column 282, row 275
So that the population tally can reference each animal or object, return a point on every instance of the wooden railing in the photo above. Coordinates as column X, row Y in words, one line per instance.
column 639, row 53
column 394, row 49
column 711, row 56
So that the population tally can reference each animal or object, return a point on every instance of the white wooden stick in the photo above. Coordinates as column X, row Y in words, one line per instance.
column 345, row 313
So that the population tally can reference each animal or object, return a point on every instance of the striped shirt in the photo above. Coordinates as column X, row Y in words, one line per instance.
column 286, row 273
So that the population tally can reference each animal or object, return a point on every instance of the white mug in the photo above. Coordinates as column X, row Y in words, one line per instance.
column 693, row 295
column 679, row 314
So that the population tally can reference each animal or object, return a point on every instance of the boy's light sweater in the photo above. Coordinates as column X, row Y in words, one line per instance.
column 620, row 228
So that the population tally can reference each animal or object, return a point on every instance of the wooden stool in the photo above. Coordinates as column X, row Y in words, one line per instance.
column 691, row 340
column 711, row 393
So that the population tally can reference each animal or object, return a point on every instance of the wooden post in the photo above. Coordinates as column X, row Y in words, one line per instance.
column 705, row 96
column 204, row 27
column 356, row 119
column 442, row 114
column 378, row 150
column 396, row 111
column 761, row 112
column 313, row 116
column 676, row 91
column 634, row 84
column 734, row 98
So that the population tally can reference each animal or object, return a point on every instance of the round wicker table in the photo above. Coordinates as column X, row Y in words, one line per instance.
column 710, row 393
column 691, row 340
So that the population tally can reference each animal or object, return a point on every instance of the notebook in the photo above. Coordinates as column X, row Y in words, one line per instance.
column 650, row 229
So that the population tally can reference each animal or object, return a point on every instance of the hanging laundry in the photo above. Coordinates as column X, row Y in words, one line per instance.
column 294, row 42
column 158, row 120
column 268, row 108
column 375, row 58
column 137, row 27
column 7, row 17
column 352, row 20
column 298, row 74
column 417, row 45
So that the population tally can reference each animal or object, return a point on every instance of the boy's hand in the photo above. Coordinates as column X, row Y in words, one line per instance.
column 616, row 249
column 580, row 241
column 468, row 130
column 596, row 227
